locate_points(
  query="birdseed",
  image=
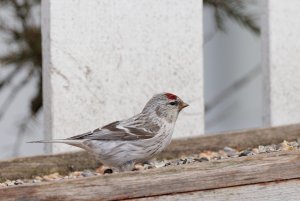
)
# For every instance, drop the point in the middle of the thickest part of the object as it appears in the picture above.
(204, 156)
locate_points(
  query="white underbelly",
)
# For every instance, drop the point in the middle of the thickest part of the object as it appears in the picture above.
(116, 153)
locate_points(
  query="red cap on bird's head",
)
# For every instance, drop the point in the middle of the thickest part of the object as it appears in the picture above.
(171, 96)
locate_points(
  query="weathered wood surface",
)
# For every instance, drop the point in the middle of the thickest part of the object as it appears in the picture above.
(169, 180)
(41, 165)
(270, 191)
(62, 163)
(238, 139)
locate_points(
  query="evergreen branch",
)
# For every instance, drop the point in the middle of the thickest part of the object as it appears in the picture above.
(37, 101)
(9, 77)
(234, 9)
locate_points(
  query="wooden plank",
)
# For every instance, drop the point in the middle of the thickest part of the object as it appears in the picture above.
(238, 139)
(28, 167)
(62, 163)
(270, 191)
(169, 180)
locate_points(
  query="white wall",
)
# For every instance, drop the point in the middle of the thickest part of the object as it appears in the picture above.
(104, 59)
(281, 49)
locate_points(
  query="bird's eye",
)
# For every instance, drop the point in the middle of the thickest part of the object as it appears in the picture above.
(173, 103)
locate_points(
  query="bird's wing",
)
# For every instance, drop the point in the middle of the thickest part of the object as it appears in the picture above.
(115, 131)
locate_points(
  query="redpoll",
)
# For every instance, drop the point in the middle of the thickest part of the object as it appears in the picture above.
(123, 143)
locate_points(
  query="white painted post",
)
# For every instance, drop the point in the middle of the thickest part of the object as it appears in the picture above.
(281, 61)
(103, 59)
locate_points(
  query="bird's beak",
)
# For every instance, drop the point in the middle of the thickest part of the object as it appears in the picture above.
(182, 105)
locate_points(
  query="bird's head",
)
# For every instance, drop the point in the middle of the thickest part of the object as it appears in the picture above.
(165, 105)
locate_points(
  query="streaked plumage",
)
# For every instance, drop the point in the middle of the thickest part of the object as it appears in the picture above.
(123, 143)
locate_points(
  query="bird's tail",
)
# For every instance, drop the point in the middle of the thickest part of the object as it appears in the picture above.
(66, 141)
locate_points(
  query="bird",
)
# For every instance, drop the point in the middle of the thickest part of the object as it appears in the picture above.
(122, 144)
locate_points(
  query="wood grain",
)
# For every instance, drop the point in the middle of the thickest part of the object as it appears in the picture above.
(169, 180)
(28, 167)
(270, 191)
(238, 139)
(38, 165)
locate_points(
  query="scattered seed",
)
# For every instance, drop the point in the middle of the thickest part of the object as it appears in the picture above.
(255, 151)
(139, 167)
(246, 153)
(2, 185)
(101, 169)
(87, 173)
(108, 171)
(231, 152)
(18, 182)
(36, 181)
(201, 157)
(261, 149)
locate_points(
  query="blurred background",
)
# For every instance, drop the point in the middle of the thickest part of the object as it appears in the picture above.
(232, 71)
